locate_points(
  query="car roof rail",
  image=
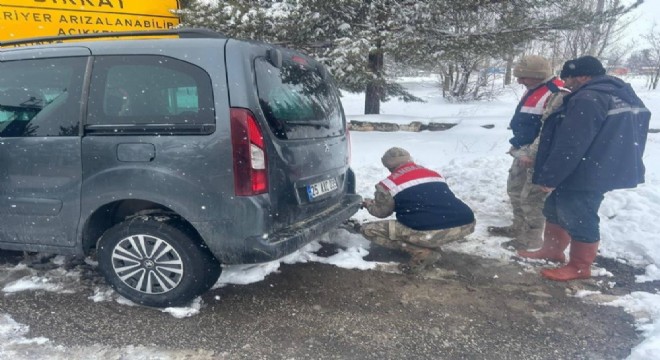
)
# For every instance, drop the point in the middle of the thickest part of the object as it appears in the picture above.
(189, 33)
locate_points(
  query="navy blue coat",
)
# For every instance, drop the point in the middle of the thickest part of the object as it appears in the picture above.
(526, 121)
(423, 201)
(431, 206)
(595, 141)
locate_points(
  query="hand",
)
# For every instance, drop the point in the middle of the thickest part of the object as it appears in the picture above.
(526, 161)
(546, 189)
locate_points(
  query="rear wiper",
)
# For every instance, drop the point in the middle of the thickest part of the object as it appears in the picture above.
(307, 123)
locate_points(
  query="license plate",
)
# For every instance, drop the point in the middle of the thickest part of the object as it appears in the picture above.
(323, 187)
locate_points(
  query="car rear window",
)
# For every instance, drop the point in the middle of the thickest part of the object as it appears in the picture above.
(297, 100)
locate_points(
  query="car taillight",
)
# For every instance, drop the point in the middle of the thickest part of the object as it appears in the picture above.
(249, 152)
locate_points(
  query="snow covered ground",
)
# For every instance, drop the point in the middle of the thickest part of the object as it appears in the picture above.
(473, 160)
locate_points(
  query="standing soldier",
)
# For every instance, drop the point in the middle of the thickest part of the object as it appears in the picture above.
(544, 93)
(592, 144)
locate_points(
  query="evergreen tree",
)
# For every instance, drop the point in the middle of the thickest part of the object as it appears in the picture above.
(353, 37)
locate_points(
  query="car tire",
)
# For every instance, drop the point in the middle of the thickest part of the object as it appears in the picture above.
(156, 261)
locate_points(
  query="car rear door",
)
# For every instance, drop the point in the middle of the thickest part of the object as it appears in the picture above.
(305, 128)
(40, 160)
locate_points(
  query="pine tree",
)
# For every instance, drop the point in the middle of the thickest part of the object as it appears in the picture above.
(354, 37)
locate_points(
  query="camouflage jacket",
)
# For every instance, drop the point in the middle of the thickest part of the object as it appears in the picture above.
(383, 204)
(553, 103)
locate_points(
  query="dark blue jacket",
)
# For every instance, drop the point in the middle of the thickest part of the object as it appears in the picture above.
(423, 201)
(431, 206)
(595, 141)
(526, 121)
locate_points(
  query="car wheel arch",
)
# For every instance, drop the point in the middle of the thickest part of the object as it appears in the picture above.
(110, 214)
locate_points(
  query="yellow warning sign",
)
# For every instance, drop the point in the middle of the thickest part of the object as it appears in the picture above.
(21, 19)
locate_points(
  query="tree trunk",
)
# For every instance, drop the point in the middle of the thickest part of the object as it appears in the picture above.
(447, 80)
(655, 80)
(508, 72)
(376, 88)
(596, 31)
(461, 85)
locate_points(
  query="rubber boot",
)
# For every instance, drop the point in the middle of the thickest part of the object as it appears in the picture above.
(582, 255)
(555, 241)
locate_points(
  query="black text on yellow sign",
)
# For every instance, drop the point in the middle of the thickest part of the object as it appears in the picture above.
(21, 19)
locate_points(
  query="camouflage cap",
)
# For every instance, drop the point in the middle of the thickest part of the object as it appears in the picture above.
(395, 157)
(532, 66)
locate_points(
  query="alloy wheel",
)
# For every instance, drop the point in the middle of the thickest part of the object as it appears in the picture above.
(147, 264)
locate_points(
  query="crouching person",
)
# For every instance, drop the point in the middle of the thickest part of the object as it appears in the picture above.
(428, 214)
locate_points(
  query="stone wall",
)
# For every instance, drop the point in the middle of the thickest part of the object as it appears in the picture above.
(415, 126)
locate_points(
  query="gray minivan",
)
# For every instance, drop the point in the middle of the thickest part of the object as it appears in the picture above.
(167, 157)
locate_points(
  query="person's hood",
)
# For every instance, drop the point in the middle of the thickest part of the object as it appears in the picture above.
(612, 86)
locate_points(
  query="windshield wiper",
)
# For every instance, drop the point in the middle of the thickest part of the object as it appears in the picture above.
(324, 124)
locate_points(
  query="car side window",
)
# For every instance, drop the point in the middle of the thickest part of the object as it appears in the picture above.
(139, 89)
(41, 97)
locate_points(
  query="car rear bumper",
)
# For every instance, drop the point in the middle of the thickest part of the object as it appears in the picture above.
(269, 247)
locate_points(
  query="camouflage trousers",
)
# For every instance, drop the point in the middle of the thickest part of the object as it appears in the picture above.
(394, 235)
(526, 198)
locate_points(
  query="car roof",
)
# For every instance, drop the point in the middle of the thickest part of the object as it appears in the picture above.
(115, 39)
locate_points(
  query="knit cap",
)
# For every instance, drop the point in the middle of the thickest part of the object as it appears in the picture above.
(532, 66)
(395, 157)
(582, 66)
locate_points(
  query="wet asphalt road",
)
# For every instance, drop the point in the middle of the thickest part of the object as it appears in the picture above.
(313, 311)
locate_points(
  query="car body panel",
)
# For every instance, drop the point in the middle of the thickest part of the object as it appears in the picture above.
(184, 169)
